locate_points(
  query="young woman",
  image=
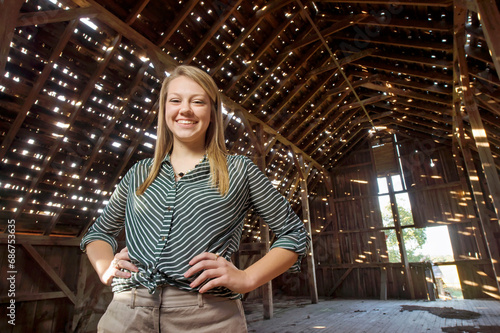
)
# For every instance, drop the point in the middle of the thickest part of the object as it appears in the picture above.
(183, 213)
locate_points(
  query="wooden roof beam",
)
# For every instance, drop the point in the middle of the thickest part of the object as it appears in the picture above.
(318, 88)
(478, 131)
(102, 139)
(154, 51)
(413, 112)
(414, 24)
(352, 145)
(346, 141)
(490, 18)
(421, 45)
(256, 20)
(424, 106)
(437, 3)
(138, 8)
(406, 93)
(325, 115)
(488, 103)
(108, 187)
(344, 61)
(431, 88)
(85, 95)
(347, 118)
(345, 108)
(380, 66)
(37, 86)
(174, 26)
(261, 51)
(54, 16)
(232, 105)
(314, 115)
(339, 26)
(213, 30)
(416, 128)
(9, 10)
(278, 88)
(277, 63)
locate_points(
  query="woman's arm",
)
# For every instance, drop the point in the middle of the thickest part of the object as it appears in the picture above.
(224, 273)
(100, 254)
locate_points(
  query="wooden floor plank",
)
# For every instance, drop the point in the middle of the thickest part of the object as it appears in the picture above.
(295, 315)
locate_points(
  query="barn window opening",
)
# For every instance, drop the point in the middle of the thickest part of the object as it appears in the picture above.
(420, 244)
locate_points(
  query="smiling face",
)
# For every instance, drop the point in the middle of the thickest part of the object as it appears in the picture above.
(187, 111)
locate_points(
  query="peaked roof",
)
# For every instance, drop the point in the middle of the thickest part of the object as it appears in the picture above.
(80, 81)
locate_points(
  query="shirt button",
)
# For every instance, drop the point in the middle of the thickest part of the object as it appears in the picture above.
(163, 238)
(169, 208)
(155, 270)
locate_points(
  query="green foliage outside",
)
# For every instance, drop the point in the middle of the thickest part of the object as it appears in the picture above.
(414, 238)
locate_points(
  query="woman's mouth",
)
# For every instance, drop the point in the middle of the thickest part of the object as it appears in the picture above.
(186, 122)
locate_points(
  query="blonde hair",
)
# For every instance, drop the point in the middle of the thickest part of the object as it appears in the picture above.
(215, 144)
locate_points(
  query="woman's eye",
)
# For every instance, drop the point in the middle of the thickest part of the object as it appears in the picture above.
(174, 100)
(199, 102)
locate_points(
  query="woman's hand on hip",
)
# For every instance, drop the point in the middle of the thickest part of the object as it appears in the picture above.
(121, 261)
(219, 272)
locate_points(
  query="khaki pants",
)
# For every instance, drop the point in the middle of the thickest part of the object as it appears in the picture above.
(172, 310)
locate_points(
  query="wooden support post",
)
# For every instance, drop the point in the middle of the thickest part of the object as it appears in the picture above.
(429, 282)
(260, 161)
(80, 292)
(485, 237)
(478, 131)
(399, 236)
(477, 228)
(383, 283)
(306, 216)
(489, 246)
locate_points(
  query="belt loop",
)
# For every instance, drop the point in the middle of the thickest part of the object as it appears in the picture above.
(200, 300)
(132, 298)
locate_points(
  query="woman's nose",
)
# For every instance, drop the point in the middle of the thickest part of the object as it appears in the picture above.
(185, 108)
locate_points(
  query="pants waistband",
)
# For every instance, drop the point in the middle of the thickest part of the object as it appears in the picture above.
(165, 297)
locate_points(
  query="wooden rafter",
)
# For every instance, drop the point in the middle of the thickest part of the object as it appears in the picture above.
(59, 141)
(186, 9)
(318, 89)
(212, 32)
(8, 13)
(102, 140)
(252, 25)
(262, 50)
(437, 3)
(146, 123)
(490, 18)
(478, 131)
(139, 7)
(35, 90)
(276, 64)
(314, 38)
(53, 16)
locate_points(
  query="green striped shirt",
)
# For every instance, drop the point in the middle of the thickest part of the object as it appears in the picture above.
(174, 221)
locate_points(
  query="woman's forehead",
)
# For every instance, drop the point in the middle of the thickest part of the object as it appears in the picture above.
(184, 85)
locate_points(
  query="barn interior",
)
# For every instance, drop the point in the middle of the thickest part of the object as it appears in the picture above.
(377, 120)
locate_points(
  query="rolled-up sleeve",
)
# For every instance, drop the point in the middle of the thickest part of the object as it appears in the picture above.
(278, 214)
(110, 223)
